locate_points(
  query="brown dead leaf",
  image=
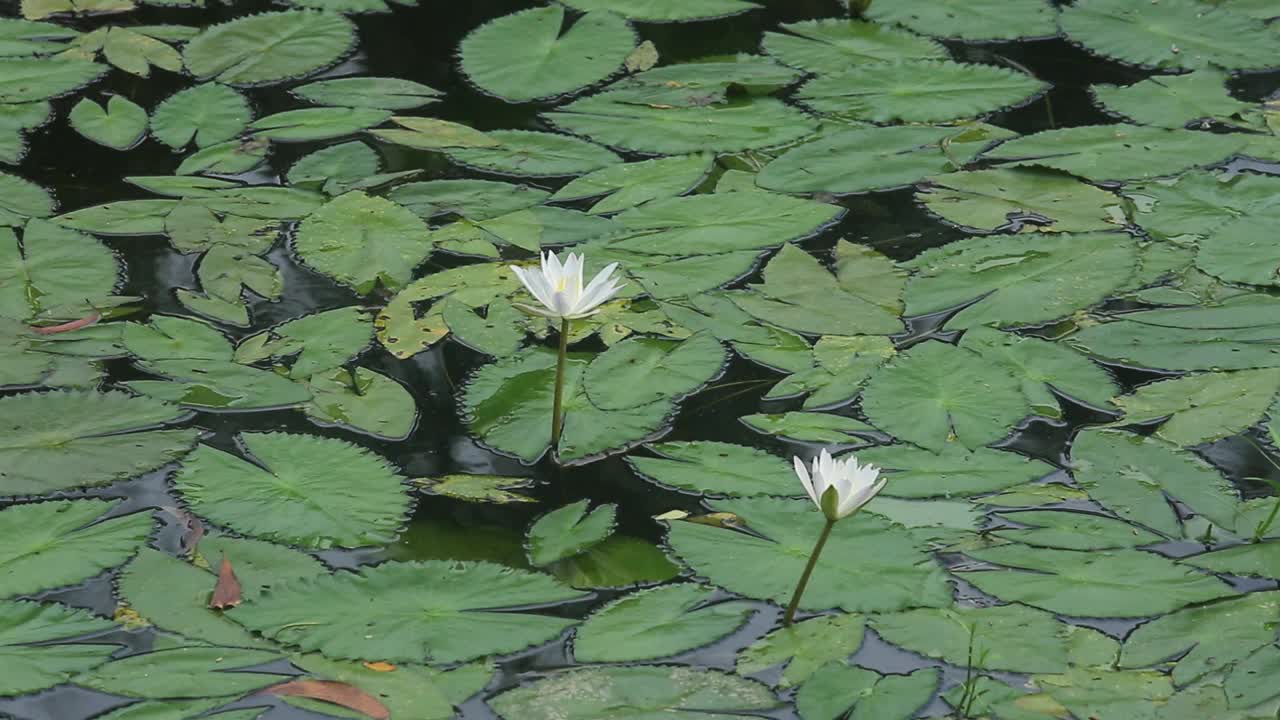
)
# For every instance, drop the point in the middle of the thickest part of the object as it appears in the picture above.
(336, 693)
(226, 594)
(380, 666)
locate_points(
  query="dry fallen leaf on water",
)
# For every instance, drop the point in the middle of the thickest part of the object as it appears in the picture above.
(226, 594)
(337, 693)
(380, 666)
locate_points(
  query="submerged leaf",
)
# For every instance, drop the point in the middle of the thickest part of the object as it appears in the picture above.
(569, 530)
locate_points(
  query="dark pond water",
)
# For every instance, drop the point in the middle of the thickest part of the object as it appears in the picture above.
(421, 44)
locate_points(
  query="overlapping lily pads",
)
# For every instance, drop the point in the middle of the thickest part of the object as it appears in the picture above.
(1040, 483)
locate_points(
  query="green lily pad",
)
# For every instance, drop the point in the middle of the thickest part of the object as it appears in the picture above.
(1253, 560)
(1014, 280)
(1104, 153)
(1041, 366)
(58, 542)
(631, 184)
(1200, 408)
(841, 365)
(125, 217)
(363, 241)
(662, 11)
(863, 159)
(269, 47)
(27, 80)
(173, 594)
(804, 647)
(613, 118)
(954, 471)
(63, 440)
(834, 45)
(525, 153)
(1020, 200)
(619, 561)
(364, 401)
(1074, 531)
(1195, 338)
(411, 612)
(185, 672)
(416, 691)
(656, 623)
(301, 493)
(839, 691)
(312, 343)
(912, 398)
(1176, 34)
(717, 468)
(15, 121)
(120, 126)
(56, 273)
(1130, 475)
(799, 294)
(918, 91)
(508, 405)
(38, 648)
(1174, 101)
(713, 224)
(1005, 637)
(530, 54)
(970, 20)
(310, 124)
(218, 385)
(810, 427)
(1109, 583)
(639, 371)
(472, 199)
(1197, 204)
(896, 576)
(1203, 639)
(368, 92)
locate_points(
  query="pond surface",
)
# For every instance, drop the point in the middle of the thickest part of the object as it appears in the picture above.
(1020, 256)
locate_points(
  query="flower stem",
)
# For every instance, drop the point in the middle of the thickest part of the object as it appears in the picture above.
(556, 412)
(808, 570)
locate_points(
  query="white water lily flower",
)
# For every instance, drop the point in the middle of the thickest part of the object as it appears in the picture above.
(839, 487)
(559, 287)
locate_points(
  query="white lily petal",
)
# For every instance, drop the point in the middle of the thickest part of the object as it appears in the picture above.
(541, 289)
(594, 297)
(534, 310)
(803, 473)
